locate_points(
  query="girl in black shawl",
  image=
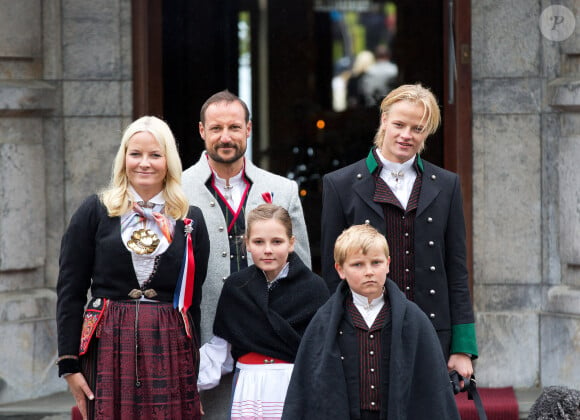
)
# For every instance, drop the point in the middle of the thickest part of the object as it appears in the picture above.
(262, 313)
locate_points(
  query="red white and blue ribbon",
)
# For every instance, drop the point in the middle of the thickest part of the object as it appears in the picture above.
(183, 295)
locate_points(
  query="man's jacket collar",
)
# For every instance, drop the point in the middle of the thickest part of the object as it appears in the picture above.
(372, 163)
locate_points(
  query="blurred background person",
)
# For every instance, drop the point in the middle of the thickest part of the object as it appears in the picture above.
(381, 76)
(354, 89)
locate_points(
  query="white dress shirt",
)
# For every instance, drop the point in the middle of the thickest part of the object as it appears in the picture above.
(400, 177)
(369, 311)
(232, 190)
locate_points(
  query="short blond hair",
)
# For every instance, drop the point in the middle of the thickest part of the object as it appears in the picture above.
(358, 238)
(416, 94)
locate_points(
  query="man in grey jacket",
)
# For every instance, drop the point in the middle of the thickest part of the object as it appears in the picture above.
(226, 185)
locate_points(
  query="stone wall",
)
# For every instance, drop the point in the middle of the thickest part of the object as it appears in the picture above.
(65, 96)
(526, 135)
(560, 318)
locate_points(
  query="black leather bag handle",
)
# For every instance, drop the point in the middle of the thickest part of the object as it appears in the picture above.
(471, 388)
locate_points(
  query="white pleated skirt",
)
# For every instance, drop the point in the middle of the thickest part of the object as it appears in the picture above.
(260, 391)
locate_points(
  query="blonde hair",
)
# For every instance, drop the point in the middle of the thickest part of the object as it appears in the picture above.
(358, 238)
(416, 94)
(116, 196)
(362, 62)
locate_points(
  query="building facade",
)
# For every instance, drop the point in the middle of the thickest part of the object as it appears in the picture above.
(65, 96)
(526, 200)
(66, 93)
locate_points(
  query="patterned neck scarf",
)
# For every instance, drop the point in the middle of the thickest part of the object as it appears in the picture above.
(143, 213)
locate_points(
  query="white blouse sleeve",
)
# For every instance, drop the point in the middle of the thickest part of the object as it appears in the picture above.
(215, 360)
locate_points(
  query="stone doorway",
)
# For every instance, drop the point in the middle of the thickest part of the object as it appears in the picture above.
(185, 50)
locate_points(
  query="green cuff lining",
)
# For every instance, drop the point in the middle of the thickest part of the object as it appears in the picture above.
(463, 339)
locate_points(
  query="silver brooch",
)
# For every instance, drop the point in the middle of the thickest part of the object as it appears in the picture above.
(188, 228)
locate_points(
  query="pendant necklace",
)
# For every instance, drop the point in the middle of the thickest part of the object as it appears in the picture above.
(143, 241)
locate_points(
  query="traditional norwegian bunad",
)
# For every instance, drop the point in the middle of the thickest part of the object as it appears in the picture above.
(393, 370)
(139, 342)
(260, 325)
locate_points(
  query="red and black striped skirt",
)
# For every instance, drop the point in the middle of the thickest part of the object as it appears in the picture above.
(142, 365)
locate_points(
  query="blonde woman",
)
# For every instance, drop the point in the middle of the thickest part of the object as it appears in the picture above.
(142, 252)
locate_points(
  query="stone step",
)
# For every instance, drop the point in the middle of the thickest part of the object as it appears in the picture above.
(58, 406)
(52, 407)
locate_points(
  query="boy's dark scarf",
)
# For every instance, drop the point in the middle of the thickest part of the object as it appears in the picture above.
(270, 322)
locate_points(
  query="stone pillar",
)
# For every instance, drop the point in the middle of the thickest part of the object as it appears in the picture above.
(526, 105)
(65, 97)
(560, 320)
(26, 305)
(507, 214)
